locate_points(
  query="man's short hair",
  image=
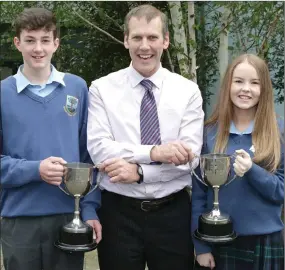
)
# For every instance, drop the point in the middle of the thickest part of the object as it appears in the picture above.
(149, 12)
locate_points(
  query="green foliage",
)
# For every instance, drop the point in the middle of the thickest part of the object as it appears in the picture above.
(89, 53)
(258, 27)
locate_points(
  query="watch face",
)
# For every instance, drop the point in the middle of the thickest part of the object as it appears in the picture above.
(140, 171)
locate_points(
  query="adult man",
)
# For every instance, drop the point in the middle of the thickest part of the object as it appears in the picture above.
(144, 125)
(44, 117)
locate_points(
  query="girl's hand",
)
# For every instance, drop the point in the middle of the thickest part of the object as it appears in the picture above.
(206, 260)
(242, 163)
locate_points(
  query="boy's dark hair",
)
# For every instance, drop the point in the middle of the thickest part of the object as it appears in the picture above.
(35, 19)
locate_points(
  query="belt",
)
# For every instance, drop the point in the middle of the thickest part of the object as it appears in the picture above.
(147, 205)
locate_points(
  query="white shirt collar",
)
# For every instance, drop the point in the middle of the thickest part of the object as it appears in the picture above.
(135, 77)
(248, 130)
(22, 81)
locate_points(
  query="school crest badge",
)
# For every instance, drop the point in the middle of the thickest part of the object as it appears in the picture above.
(71, 105)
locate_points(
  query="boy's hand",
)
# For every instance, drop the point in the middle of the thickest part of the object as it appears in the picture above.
(52, 170)
(97, 229)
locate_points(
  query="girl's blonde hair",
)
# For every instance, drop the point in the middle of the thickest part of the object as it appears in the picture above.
(266, 134)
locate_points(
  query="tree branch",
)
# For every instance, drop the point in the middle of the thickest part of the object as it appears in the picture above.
(228, 22)
(192, 37)
(241, 40)
(98, 28)
(170, 60)
(111, 19)
(270, 29)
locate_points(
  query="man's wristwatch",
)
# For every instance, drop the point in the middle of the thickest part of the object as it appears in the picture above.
(140, 173)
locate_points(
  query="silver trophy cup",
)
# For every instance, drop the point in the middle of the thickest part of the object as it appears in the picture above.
(77, 182)
(215, 227)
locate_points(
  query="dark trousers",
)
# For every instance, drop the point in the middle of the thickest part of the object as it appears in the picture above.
(133, 238)
(28, 244)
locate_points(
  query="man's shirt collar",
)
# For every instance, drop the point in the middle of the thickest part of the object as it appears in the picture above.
(135, 77)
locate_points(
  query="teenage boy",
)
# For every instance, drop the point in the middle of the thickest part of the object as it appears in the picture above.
(44, 117)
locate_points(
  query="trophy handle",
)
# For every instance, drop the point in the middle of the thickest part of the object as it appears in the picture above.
(98, 179)
(62, 189)
(192, 171)
(234, 177)
(234, 155)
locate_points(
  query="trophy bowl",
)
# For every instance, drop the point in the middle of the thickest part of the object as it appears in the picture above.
(77, 236)
(215, 227)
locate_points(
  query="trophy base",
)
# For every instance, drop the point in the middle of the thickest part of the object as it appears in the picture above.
(76, 240)
(215, 232)
(78, 248)
(215, 239)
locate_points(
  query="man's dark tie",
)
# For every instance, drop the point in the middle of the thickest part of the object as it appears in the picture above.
(150, 132)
